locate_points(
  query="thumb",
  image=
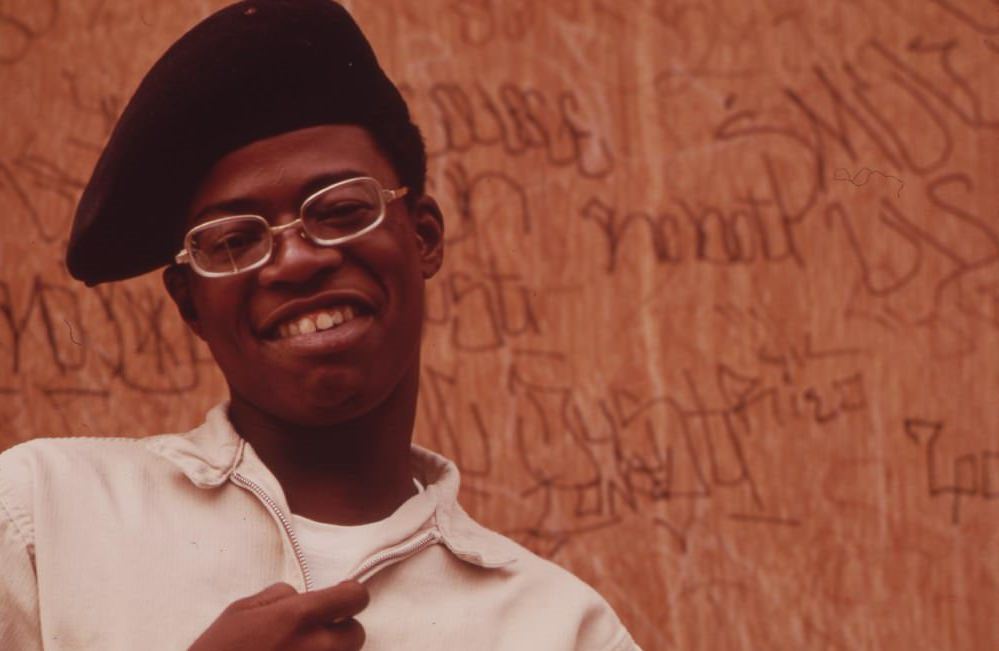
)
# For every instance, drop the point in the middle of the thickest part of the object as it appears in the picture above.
(265, 597)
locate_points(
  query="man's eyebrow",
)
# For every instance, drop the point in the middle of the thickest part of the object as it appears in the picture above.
(329, 178)
(242, 205)
(228, 207)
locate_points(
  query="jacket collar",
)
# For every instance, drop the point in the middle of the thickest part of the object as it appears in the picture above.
(212, 452)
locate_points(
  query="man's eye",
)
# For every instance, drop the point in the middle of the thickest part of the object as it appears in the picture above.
(234, 242)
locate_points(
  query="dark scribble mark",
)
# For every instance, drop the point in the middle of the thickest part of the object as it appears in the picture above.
(972, 474)
(30, 177)
(966, 18)
(679, 538)
(73, 392)
(149, 354)
(23, 34)
(548, 542)
(520, 119)
(71, 336)
(842, 174)
(106, 108)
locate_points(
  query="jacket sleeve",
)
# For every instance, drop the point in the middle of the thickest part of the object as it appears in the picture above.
(600, 629)
(621, 640)
(624, 643)
(19, 622)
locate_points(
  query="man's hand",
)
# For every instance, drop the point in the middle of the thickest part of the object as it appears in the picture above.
(278, 617)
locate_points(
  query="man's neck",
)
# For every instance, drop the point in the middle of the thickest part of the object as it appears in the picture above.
(348, 473)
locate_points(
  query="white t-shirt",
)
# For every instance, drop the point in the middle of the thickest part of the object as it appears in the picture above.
(332, 551)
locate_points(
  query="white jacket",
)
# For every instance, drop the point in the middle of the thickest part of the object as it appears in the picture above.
(133, 544)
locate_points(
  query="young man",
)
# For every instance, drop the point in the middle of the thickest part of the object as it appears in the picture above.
(272, 166)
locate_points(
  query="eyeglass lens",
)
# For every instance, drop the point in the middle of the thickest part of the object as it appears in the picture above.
(235, 244)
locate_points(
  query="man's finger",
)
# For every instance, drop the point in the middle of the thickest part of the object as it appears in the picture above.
(346, 634)
(268, 595)
(331, 605)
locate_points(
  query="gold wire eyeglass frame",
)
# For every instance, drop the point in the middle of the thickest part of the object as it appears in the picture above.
(386, 197)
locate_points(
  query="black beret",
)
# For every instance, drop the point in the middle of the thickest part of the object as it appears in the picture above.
(254, 69)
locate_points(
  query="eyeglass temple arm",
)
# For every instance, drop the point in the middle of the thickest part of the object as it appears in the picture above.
(392, 195)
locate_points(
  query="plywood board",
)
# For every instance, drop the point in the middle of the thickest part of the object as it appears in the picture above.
(718, 324)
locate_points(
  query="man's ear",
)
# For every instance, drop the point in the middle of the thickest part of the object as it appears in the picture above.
(428, 223)
(177, 281)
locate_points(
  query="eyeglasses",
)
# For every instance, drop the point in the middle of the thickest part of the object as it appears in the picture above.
(334, 215)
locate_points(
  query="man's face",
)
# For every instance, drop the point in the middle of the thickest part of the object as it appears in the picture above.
(373, 284)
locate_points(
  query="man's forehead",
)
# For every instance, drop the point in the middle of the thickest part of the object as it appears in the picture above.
(291, 166)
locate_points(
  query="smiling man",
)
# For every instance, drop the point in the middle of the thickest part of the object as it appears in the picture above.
(270, 165)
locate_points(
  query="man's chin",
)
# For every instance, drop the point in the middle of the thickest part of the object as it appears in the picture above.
(322, 409)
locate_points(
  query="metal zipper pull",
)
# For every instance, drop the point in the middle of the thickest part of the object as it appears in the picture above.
(393, 554)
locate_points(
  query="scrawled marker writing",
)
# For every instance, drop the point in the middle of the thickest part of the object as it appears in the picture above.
(843, 174)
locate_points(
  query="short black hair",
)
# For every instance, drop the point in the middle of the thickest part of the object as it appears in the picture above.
(401, 142)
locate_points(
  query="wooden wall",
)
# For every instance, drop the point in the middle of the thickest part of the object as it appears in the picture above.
(718, 324)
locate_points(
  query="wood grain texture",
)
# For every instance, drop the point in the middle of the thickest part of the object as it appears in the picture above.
(718, 324)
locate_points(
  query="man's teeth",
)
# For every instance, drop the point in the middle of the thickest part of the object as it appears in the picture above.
(322, 320)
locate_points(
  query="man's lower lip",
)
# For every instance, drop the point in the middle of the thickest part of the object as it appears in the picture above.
(335, 339)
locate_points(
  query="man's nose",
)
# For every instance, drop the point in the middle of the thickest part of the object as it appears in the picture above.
(297, 259)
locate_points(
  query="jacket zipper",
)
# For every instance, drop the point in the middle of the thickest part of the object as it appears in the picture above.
(393, 554)
(266, 499)
(383, 557)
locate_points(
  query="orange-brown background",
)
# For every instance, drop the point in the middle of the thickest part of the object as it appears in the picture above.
(718, 324)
